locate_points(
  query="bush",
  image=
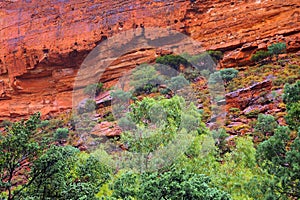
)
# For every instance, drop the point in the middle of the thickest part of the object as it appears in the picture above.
(173, 61)
(216, 55)
(215, 78)
(93, 89)
(277, 48)
(61, 133)
(145, 78)
(260, 55)
(291, 97)
(228, 74)
(266, 124)
(177, 83)
(89, 106)
(291, 93)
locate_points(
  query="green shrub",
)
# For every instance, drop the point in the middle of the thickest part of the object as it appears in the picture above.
(277, 48)
(61, 133)
(215, 78)
(177, 83)
(266, 124)
(93, 89)
(120, 96)
(173, 61)
(228, 74)
(191, 73)
(260, 55)
(165, 91)
(253, 114)
(145, 78)
(89, 106)
(44, 123)
(216, 55)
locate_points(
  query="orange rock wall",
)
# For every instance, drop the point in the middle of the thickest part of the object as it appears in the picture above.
(43, 43)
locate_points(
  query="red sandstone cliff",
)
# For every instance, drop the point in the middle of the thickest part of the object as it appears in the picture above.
(43, 43)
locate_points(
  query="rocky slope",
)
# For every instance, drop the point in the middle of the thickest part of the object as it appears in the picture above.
(43, 43)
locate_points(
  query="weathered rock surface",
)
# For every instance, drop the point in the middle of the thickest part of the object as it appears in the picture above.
(243, 98)
(43, 43)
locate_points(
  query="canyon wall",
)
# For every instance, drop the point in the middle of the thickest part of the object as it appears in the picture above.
(43, 43)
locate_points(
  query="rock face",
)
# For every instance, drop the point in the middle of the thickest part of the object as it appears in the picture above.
(246, 97)
(43, 43)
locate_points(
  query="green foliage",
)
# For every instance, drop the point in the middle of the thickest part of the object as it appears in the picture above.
(173, 61)
(281, 161)
(120, 102)
(90, 105)
(291, 97)
(216, 55)
(177, 83)
(126, 186)
(293, 116)
(44, 123)
(126, 123)
(179, 185)
(228, 74)
(17, 147)
(215, 78)
(220, 136)
(260, 55)
(274, 49)
(93, 89)
(120, 95)
(61, 134)
(46, 171)
(145, 78)
(173, 184)
(205, 73)
(291, 93)
(277, 48)
(265, 126)
(158, 126)
(235, 172)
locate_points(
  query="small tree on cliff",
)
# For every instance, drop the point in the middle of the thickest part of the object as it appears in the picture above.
(277, 48)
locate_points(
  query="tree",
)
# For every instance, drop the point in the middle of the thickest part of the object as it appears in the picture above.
(291, 93)
(65, 173)
(171, 184)
(120, 102)
(178, 184)
(18, 151)
(281, 161)
(291, 97)
(293, 116)
(265, 126)
(159, 126)
(46, 171)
